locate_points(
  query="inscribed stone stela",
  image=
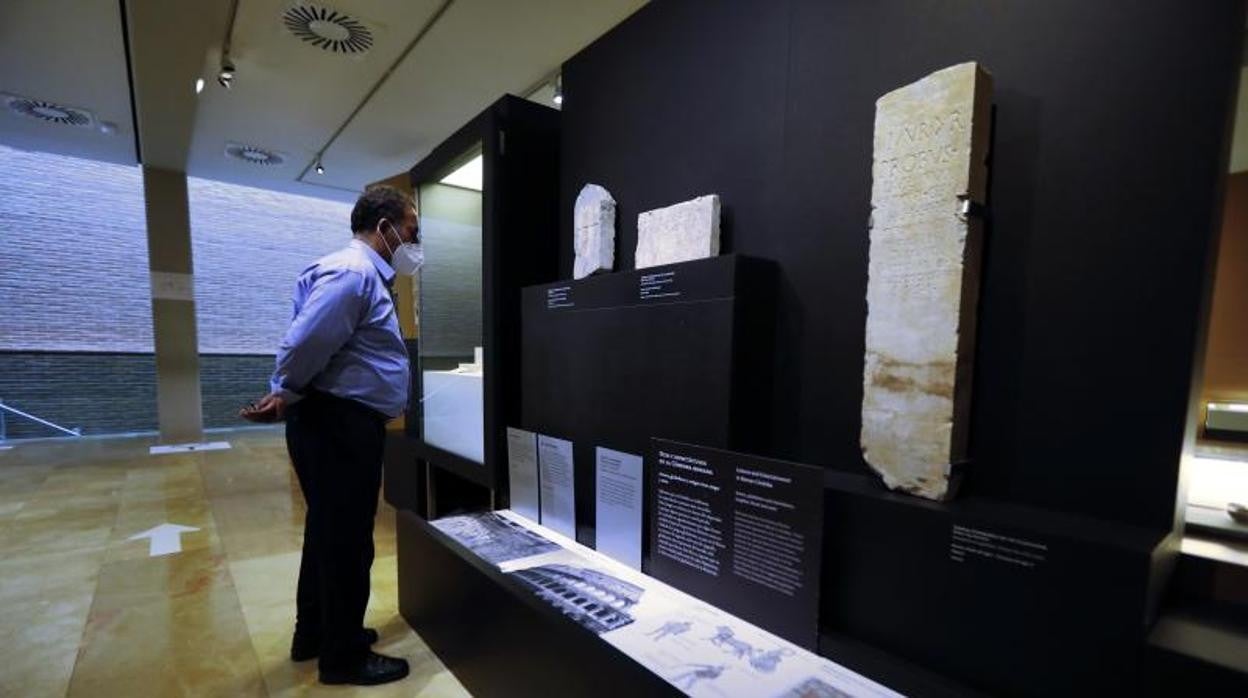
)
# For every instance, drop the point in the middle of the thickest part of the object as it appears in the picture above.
(931, 145)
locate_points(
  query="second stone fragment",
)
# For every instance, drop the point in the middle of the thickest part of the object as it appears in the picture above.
(678, 233)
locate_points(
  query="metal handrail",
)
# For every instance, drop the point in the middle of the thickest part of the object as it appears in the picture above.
(33, 418)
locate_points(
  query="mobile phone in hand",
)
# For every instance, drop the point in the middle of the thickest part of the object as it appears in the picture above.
(252, 412)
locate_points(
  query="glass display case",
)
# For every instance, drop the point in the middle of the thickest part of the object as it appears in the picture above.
(488, 203)
(450, 312)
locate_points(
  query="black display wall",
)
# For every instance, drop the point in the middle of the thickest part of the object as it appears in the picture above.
(1111, 134)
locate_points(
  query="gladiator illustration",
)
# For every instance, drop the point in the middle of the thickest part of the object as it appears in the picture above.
(725, 640)
(686, 680)
(767, 662)
(672, 627)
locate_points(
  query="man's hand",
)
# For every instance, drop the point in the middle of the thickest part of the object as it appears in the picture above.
(271, 408)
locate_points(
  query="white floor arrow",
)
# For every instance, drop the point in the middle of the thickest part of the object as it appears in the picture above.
(165, 538)
(189, 448)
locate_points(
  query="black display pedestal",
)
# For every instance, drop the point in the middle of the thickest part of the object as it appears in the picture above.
(404, 474)
(499, 639)
(680, 351)
(1023, 600)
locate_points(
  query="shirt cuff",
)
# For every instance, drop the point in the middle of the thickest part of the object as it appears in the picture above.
(289, 396)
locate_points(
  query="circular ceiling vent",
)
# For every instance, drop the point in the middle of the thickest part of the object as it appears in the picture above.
(328, 29)
(253, 155)
(51, 112)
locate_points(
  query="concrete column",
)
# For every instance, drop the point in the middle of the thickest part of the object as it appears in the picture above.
(179, 407)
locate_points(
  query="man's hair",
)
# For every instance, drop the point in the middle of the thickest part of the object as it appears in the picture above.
(378, 202)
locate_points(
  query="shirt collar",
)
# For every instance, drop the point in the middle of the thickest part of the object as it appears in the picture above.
(386, 271)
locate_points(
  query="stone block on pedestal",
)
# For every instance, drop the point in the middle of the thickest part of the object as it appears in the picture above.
(678, 233)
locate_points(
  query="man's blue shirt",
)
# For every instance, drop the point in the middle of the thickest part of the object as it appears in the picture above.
(344, 338)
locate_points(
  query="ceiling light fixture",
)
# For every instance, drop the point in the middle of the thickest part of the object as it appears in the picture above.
(320, 169)
(49, 112)
(327, 28)
(199, 85)
(558, 99)
(226, 77)
(254, 155)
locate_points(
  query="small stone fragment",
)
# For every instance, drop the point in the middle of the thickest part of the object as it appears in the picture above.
(594, 231)
(678, 233)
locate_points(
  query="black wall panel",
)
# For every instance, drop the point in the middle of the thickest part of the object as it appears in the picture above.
(610, 367)
(1110, 141)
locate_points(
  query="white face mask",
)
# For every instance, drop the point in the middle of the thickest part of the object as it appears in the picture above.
(407, 257)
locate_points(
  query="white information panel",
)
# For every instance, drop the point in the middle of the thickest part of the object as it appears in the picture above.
(556, 477)
(522, 471)
(619, 482)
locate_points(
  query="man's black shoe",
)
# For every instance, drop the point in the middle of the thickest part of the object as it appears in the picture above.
(374, 669)
(303, 648)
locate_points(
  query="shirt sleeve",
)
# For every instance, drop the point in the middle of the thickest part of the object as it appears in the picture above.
(321, 326)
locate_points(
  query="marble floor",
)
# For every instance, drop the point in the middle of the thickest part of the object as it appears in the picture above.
(86, 611)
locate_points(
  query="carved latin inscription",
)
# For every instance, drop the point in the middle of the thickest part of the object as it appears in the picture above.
(931, 141)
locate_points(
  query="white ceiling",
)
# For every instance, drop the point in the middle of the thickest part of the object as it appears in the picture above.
(288, 96)
(168, 41)
(496, 47)
(70, 52)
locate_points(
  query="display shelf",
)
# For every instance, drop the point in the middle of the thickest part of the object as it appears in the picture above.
(630, 642)
(455, 463)
(1215, 523)
(996, 578)
(902, 676)
(497, 637)
(1199, 653)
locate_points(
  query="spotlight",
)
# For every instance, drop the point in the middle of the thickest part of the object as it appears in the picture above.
(320, 169)
(226, 76)
(199, 85)
(558, 91)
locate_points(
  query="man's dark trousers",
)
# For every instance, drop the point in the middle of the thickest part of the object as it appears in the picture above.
(336, 446)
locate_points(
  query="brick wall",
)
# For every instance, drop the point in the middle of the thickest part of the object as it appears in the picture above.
(101, 393)
(116, 393)
(73, 257)
(228, 381)
(75, 308)
(249, 246)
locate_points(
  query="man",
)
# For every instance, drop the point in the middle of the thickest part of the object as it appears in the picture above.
(342, 372)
